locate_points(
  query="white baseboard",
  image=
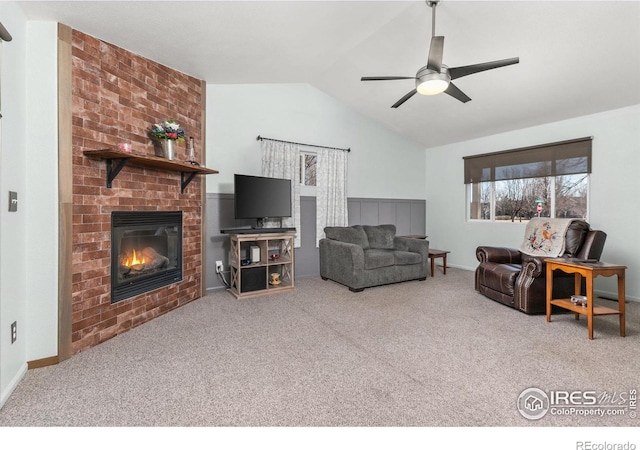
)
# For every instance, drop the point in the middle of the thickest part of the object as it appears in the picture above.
(614, 296)
(13, 384)
(457, 266)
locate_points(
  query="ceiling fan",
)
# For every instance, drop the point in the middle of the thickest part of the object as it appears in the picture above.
(435, 77)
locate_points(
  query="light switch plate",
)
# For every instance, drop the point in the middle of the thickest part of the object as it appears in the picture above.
(13, 201)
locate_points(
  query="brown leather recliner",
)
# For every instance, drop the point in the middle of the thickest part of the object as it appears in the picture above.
(509, 276)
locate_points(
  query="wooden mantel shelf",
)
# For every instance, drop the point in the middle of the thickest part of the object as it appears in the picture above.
(187, 170)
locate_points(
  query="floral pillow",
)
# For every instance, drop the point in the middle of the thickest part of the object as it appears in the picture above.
(545, 237)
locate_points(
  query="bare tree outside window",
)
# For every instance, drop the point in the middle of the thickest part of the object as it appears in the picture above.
(308, 169)
(516, 200)
(571, 196)
(512, 197)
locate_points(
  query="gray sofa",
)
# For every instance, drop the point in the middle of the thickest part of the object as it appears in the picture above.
(363, 256)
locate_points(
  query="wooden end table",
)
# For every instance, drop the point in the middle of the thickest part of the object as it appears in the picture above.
(435, 253)
(589, 271)
(415, 236)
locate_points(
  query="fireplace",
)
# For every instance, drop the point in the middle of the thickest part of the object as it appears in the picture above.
(146, 251)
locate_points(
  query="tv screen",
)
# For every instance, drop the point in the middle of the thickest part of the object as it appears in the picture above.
(260, 197)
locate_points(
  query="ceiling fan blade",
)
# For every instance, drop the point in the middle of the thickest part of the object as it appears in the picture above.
(456, 93)
(435, 53)
(386, 78)
(405, 98)
(463, 71)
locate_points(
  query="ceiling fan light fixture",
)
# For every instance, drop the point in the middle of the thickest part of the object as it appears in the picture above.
(435, 78)
(432, 83)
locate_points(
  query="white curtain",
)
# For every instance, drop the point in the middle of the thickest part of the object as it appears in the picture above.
(331, 190)
(282, 160)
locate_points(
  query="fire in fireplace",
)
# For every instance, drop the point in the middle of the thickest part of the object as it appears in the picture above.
(146, 251)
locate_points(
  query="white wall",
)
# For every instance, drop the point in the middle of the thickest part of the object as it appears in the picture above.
(28, 165)
(382, 164)
(13, 177)
(42, 192)
(614, 190)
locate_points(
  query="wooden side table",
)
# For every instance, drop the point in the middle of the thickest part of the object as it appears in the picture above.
(435, 253)
(589, 271)
(415, 236)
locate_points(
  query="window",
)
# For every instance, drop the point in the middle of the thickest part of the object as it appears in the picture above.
(308, 169)
(549, 180)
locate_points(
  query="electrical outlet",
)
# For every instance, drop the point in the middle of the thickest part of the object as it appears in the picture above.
(219, 267)
(13, 201)
(14, 332)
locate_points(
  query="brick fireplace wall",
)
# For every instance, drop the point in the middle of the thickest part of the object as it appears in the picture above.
(116, 97)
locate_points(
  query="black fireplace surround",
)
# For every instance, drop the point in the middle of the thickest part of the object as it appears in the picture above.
(146, 251)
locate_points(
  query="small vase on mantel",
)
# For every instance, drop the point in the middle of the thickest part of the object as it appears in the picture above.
(168, 148)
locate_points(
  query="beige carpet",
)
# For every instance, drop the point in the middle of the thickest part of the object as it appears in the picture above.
(432, 353)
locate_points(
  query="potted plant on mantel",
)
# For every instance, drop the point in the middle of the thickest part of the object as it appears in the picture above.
(165, 135)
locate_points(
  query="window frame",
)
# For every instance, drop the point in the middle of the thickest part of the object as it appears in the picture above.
(564, 158)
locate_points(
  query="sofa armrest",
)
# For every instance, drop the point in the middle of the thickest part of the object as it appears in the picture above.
(502, 255)
(342, 262)
(339, 256)
(533, 266)
(413, 245)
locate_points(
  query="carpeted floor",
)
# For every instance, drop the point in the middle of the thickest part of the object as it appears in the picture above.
(432, 353)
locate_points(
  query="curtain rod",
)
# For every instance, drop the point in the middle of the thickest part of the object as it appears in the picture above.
(260, 138)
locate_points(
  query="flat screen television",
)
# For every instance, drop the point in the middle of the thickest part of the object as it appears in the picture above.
(261, 197)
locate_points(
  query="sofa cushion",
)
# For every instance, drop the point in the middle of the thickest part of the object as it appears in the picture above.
(352, 235)
(376, 258)
(575, 236)
(380, 236)
(406, 258)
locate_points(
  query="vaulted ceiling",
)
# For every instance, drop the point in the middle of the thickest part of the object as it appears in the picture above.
(576, 57)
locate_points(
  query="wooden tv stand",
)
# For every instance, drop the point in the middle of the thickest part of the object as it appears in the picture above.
(253, 279)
